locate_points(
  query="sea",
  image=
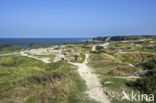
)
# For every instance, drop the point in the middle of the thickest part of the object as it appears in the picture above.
(23, 42)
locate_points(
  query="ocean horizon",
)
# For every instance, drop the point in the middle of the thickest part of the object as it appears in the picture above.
(23, 42)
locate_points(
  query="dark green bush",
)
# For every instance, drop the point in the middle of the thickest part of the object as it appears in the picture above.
(148, 84)
(99, 47)
(150, 65)
(8, 48)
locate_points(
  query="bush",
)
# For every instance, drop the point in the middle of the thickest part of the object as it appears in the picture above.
(148, 84)
(99, 47)
(8, 48)
(32, 45)
(151, 64)
(95, 52)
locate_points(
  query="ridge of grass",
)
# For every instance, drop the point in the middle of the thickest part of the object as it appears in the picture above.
(27, 80)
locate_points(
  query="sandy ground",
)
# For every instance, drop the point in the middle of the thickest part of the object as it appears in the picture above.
(47, 51)
(94, 48)
(45, 60)
(125, 77)
(9, 54)
(94, 88)
(104, 45)
(44, 51)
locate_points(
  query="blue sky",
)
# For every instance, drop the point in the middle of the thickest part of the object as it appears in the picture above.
(76, 18)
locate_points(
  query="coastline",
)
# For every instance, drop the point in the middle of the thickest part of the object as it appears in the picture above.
(24, 42)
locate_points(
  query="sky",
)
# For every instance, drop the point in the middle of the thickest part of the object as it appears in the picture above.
(76, 18)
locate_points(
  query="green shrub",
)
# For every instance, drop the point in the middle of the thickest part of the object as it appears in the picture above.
(151, 64)
(148, 84)
(95, 52)
(32, 45)
(9, 48)
(99, 47)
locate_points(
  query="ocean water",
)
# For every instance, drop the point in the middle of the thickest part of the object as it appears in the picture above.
(23, 42)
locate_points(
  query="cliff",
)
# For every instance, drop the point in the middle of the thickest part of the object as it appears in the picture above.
(121, 38)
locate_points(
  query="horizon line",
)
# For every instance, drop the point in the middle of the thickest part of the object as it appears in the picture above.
(79, 37)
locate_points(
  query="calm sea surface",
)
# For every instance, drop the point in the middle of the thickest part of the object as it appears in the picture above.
(23, 42)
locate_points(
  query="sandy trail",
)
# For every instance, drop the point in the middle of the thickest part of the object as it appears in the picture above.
(94, 48)
(104, 45)
(127, 77)
(94, 87)
(9, 54)
(45, 60)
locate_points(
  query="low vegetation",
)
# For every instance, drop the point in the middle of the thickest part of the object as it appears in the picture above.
(147, 84)
(27, 80)
(122, 59)
(99, 47)
(8, 48)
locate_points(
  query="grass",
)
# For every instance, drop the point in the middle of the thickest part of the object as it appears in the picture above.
(100, 57)
(115, 82)
(81, 57)
(109, 63)
(115, 88)
(8, 49)
(51, 56)
(124, 101)
(27, 80)
(135, 57)
(102, 64)
(141, 46)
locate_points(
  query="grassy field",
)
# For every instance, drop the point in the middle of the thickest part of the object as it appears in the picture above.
(27, 80)
(9, 49)
(121, 59)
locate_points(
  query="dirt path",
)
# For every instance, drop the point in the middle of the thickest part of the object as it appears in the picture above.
(94, 48)
(104, 45)
(94, 88)
(124, 77)
(45, 60)
(127, 77)
(9, 54)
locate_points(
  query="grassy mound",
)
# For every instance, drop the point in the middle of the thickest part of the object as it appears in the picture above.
(8, 48)
(135, 57)
(27, 80)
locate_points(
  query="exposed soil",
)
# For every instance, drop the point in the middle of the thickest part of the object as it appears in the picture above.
(95, 90)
